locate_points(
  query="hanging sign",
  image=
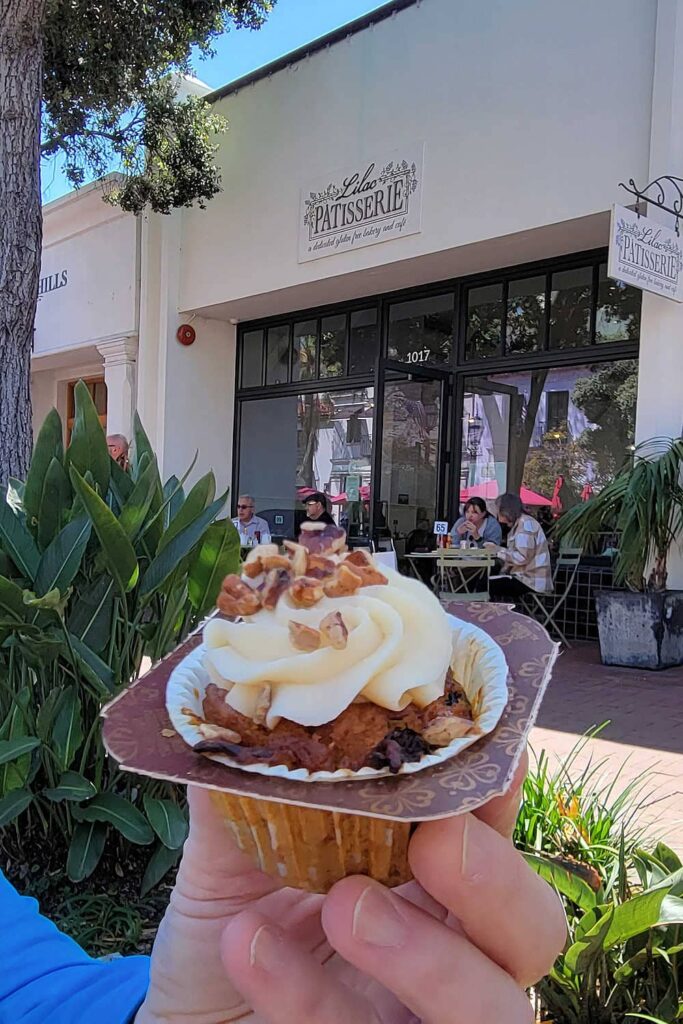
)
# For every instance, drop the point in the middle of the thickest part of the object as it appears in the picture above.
(645, 254)
(353, 488)
(374, 200)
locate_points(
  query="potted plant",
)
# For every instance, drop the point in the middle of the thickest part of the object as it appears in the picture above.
(640, 626)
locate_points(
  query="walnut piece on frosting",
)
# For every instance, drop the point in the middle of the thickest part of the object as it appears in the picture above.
(305, 592)
(345, 582)
(298, 557)
(304, 638)
(209, 731)
(333, 629)
(321, 538)
(263, 702)
(237, 598)
(274, 586)
(254, 562)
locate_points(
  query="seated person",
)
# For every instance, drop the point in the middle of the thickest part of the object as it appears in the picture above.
(477, 525)
(316, 509)
(252, 529)
(526, 559)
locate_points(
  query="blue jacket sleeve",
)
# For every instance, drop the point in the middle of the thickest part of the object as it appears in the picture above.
(46, 976)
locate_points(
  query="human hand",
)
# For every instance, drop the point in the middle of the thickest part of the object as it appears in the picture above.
(458, 944)
(490, 546)
(464, 528)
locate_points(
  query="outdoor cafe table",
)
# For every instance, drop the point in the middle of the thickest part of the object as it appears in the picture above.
(455, 570)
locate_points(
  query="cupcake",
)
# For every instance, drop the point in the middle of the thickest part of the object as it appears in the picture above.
(328, 667)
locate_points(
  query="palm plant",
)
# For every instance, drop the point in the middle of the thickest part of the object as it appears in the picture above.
(643, 504)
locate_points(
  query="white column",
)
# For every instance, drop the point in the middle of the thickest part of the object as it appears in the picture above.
(120, 356)
(660, 397)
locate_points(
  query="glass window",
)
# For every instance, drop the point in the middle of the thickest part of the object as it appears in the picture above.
(554, 435)
(252, 359)
(421, 330)
(363, 341)
(277, 357)
(525, 330)
(332, 345)
(484, 321)
(291, 445)
(305, 350)
(571, 294)
(618, 316)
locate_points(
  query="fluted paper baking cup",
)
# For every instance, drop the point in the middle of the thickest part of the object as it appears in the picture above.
(478, 665)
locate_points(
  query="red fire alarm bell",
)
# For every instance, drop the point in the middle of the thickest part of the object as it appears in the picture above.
(186, 334)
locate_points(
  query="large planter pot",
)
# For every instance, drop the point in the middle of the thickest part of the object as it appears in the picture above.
(640, 630)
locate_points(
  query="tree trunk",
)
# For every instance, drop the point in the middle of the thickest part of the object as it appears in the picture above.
(21, 57)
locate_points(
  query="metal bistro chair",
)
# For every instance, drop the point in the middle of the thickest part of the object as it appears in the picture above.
(457, 571)
(545, 607)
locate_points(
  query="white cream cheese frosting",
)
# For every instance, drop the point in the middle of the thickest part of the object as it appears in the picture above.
(399, 649)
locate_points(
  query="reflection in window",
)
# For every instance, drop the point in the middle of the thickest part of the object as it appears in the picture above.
(525, 330)
(305, 350)
(363, 341)
(290, 445)
(484, 321)
(554, 435)
(332, 344)
(277, 356)
(570, 307)
(421, 330)
(252, 359)
(618, 316)
(410, 455)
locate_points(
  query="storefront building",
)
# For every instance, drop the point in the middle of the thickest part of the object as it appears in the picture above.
(401, 295)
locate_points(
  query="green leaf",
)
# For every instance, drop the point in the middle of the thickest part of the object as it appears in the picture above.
(67, 732)
(141, 446)
(217, 557)
(61, 560)
(85, 850)
(566, 882)
(71, 786)
(93, 668)
(166, 561)
(168, 821)
(120, 813)
(46, 714)
(580, 954)
(120, 483)
(88, 450)
(136, 508)
(54, 503)
(14, 771)
(18, 542)
(91, 613)
(160, 863)
(671, 910)
(53, 601)
(118, 551)
(49, 445)
(201, 495)
(12, 805)
(10, 750)
(12, 601)
(666, 856)
(174, 496)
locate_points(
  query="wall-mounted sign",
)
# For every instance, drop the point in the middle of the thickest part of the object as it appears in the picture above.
(51, 282)
(353, 488)
(404, 499)
(645, 254)
(378, 199)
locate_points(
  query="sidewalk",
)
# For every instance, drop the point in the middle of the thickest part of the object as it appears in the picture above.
(645, 712)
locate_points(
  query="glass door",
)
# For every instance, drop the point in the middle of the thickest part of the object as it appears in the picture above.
(410, 458)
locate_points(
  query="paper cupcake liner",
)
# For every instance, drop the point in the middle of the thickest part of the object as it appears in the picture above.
(478, 664)
(311, 849)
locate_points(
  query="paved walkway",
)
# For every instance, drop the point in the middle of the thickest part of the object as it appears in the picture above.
(645, 712)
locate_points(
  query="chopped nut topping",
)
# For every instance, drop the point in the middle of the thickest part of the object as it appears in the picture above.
(304, 638)
(333, 629)
(253, 564)
(262, 705)
(444, 730)
(359, 557)
(345, 582)
(210, 731)
(275, 584)
(320, 539)
(276, 562)
(237, 598)
(370, 577)
(298, 557)
(320, 567)
(305, 592)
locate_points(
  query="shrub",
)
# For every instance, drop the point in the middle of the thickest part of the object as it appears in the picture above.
(100, 567)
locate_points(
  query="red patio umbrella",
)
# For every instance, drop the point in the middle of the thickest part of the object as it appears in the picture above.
(489, 490)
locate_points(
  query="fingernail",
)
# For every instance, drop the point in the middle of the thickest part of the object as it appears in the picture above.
(267, 950)
(470, 855)
(377, 921)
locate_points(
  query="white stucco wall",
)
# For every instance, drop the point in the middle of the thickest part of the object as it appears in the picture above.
(531, 113)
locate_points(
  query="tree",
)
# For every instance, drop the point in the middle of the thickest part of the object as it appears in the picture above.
(607, 397)
(92, 80)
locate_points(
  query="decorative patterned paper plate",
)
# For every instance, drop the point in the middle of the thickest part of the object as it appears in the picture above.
(138, 734)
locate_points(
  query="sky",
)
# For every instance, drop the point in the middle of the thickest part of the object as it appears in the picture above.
(291, 24)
